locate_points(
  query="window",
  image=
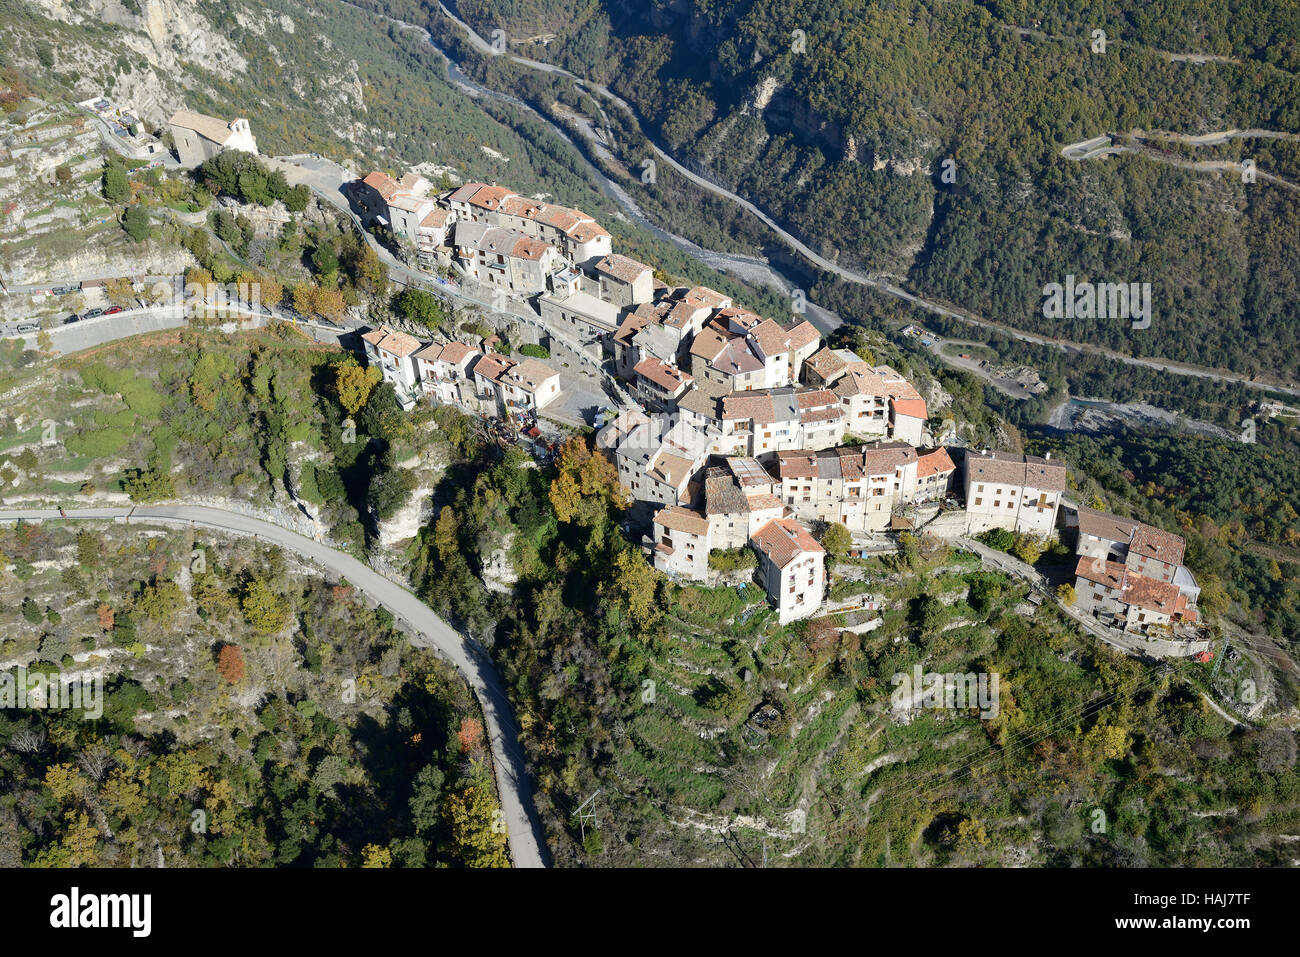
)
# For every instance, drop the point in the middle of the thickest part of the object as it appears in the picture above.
(979, 501)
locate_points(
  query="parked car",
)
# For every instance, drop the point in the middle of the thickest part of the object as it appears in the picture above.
(61, 290)
(113, 310)
(25, 328)
(93, 313)
(71, 319)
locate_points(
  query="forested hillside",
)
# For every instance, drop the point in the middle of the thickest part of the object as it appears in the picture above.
(838, 118)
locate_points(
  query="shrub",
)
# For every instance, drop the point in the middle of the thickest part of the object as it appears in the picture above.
(732, 559)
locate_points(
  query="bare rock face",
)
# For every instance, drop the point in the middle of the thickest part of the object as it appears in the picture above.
(499, 573)
(763, 94)
(408, 521)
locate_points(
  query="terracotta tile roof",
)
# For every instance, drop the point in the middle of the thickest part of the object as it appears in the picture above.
(1151, 594)
(585, 232)
(436, 218)
(745, 406)
(520, 206)
(737, 358)
(488, 197)
(683, 313)
(802, 335)
(381, 183)
(703, 398)
(934, 463)
(526, 247)
(1142, 539)
(914, 408)
(710, 297)
(783, 540)
(500, 241)
(816, 398)
(1011, 468)
(493, 367)
(708, 343)
(399, 344)
(662, 374)
(809, 416)
(530, 374)
(851, 466)
(374, 336)
(742, 319)
(859, 380)
(654, 311)
(1103, 525)
(672, 469)
(1110, 574)
(622, 268)
(796, 464)
(632, 323)
(464, 193)
(826, 363)
(1158, 544)
(682, 520)
(456, 352)
(771, 338)
(885, 458)
(763, 501)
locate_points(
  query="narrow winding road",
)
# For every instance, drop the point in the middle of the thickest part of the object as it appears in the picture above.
(523, 827)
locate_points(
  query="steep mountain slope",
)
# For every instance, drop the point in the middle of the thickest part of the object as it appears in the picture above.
(842, 119)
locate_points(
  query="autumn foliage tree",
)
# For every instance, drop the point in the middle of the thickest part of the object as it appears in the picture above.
(633, 584)
(354, 385)
(312, 300)
(586, 491)
(470, 735)
(230, 664)
(477, 834)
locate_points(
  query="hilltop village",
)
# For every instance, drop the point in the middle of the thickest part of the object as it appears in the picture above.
(736, 430)
(729, 430)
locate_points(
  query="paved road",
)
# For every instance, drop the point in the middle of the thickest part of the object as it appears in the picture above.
(95, 332)
(89, 333)
(524, 831)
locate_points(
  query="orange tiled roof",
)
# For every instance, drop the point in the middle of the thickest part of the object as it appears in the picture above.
(682, 520)
(933, 463)
(783, 540)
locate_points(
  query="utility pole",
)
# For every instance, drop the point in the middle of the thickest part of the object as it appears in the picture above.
(586, 814)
